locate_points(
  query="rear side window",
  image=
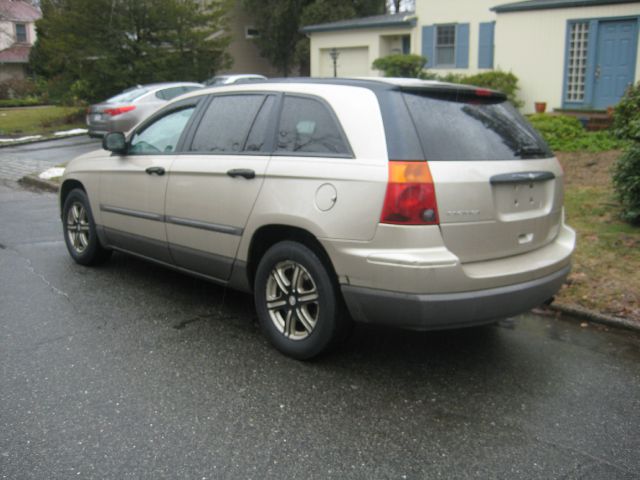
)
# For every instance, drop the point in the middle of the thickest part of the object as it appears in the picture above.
(473, 129)
(226, 123)
(308, 126)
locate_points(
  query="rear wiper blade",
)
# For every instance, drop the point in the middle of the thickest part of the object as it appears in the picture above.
(529, 150)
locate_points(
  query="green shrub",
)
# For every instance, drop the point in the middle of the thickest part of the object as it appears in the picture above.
(558, 130)
(505, 82)
(21, 102)
(399, 65)
(566, 134)
(16, 88)
(626, 118)
(626, 181)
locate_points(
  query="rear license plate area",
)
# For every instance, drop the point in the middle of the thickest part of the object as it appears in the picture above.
(515, 201)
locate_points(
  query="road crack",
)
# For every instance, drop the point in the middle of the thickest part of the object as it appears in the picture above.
(41, 276)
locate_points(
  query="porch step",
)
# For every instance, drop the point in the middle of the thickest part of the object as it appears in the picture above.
(595, 119)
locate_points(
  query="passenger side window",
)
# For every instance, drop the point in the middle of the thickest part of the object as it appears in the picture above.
(307, 126)
(226, 123)
(161, 136)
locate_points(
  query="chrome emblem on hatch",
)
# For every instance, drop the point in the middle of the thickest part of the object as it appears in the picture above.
(460, 213)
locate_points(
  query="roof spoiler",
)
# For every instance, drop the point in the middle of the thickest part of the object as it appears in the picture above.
(456, 92)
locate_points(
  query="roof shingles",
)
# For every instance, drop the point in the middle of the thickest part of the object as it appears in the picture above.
(17, 53)
(403, 19)
(551, 4)
(18, 11)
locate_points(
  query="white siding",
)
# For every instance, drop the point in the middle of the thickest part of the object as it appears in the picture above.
(473, 12)
(7, 35)
(354, 43)
(351, 62)
(532, 45)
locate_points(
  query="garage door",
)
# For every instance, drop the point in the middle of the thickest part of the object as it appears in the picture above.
(352, 62)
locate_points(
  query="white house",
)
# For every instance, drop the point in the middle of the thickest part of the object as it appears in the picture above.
(17, 35)
(571, 54)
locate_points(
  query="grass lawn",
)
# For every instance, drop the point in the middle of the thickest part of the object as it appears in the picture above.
(39, 120)
(606, 264)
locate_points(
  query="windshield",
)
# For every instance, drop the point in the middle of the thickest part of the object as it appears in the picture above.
(128, 95)
(473, 129)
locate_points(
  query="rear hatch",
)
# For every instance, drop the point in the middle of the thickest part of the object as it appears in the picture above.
(498, 186)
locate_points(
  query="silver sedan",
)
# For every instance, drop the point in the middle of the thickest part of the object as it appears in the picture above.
(123, 111)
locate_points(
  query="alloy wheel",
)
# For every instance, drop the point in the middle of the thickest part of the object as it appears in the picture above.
(292, 300)
(78, 227)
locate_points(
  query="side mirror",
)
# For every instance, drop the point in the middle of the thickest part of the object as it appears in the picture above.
(115, 142)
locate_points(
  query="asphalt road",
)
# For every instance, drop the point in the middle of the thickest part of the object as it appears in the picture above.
(18, 161)
(133, 371)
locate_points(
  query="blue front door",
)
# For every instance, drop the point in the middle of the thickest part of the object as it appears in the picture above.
(615, 61)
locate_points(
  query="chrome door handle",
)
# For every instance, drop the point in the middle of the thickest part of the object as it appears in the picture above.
(242, 172)
(155, 171)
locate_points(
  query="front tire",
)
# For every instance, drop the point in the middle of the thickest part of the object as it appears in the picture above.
(80, 233)
(298, 302)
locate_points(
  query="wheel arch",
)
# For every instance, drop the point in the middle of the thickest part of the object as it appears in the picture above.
(66, 187)
(268, 235)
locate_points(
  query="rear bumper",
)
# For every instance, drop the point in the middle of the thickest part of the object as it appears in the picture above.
(450, 310)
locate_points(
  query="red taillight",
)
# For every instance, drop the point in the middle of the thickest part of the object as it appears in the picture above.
(411, 196)
(483, 92)
(118, 110)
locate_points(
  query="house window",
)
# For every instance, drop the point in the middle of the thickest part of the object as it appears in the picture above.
(251, 32)
(21, 33)
(577, 65)
(445, 45)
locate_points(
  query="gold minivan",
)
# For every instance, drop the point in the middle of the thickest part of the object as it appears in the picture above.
(423, 205)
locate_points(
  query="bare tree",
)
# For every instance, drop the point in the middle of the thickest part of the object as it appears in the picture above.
(397, 6)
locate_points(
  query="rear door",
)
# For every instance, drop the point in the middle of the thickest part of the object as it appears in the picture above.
(498, 186)
(214, 184)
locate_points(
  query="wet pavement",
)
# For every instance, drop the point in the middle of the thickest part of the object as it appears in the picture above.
(132, 371)
(21, 160)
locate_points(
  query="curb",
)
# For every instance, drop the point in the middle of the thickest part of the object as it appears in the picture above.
(34, 181)
(595, 317)
(39, 140)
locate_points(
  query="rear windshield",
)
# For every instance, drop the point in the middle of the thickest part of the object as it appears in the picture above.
(473, 129)
(128, 95)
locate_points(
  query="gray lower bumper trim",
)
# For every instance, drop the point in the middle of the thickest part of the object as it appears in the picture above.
(450, 310)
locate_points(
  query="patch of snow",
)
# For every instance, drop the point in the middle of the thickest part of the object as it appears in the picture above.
(21, 139)
(75, 131)
(51, 173)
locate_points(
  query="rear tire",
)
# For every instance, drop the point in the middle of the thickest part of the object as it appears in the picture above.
(299, 305)
(80, 233)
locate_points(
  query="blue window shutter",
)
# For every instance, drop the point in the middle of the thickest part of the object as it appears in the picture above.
(485, 45)
(462, 45)
(427, 45)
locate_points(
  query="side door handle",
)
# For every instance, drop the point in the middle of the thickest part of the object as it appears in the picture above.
(242, 172)
(155, 171)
